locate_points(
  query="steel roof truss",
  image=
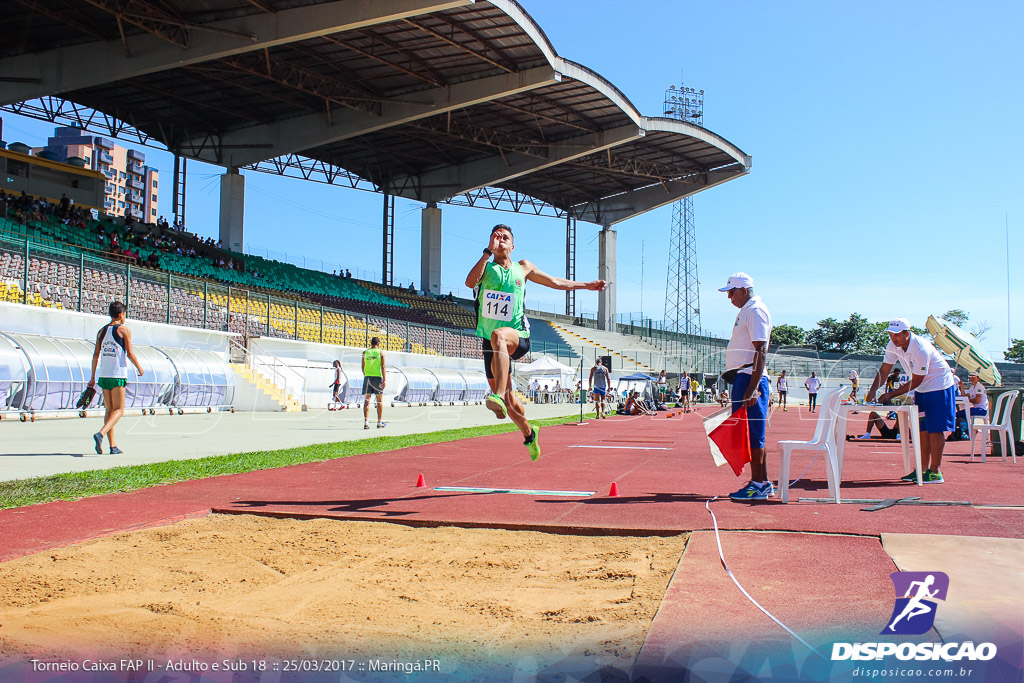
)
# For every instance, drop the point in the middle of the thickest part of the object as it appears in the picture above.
(507, 66)
(385, 61)
(618, 208)
(263, 5)
(636, 167)
(82, 66)
(313, 130)
(228, 76)
(147, 17)
(491, 45)
(304, 80)
(64, 16)
(444, 183)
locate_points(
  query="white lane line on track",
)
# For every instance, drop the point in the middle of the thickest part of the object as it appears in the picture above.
(527, 492)
(625, 448)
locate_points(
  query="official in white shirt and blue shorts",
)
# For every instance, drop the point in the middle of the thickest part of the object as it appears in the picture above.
(932, 382)
(746, 353)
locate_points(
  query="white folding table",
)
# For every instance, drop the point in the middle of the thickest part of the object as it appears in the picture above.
(910, 432)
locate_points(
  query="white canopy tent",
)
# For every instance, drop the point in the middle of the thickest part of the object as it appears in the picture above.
(547, 371)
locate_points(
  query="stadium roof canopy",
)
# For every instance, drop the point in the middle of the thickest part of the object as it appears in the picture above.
(425, 99)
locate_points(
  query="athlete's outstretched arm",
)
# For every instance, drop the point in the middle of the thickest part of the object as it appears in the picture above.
(534, 274)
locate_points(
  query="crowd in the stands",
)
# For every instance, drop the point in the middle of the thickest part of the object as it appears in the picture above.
(144, 244)
(24, 208)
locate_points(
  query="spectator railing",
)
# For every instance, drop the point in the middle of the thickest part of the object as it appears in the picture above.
(46, 273)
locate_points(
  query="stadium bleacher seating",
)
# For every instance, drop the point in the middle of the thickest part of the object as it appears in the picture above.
(67, 271)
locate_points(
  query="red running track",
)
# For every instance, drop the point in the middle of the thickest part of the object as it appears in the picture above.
(664, 473)
(661, 465)
(661, 490)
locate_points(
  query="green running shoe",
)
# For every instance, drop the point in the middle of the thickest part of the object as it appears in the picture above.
(496, 405)
(532, 442)
(912, 477)
(930, 477)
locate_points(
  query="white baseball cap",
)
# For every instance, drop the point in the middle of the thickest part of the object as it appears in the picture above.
(737, 281)
(898, 325)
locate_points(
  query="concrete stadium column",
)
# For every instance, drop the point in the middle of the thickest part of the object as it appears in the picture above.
(232, 210)
(606, 271)
(430, 249)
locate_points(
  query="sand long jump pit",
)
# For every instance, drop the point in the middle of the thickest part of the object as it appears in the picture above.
(286, 593)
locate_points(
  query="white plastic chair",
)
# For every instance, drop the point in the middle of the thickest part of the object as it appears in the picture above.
(971, 419)
(1000, 423)
(824, 440)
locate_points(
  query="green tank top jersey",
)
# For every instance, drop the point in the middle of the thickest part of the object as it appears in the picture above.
(372, 358)
(500, 300)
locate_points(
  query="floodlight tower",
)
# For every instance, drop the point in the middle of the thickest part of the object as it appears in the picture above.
(682, 296)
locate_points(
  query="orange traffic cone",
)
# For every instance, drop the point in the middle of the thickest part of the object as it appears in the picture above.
(613, 492)
(420, 483)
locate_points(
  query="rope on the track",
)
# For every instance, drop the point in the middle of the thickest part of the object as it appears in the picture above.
(721, 556)
(816, 454)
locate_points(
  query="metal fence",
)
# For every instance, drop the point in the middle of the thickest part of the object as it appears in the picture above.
(55, 276)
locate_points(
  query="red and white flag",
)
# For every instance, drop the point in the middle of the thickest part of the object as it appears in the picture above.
(729, 438)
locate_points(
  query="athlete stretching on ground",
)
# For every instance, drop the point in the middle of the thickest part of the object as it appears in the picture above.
(500, 287)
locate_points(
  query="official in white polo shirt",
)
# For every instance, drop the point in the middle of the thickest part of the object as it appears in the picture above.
(746, 354)
(932, 382)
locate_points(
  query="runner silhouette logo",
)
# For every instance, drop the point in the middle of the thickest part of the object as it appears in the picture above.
(916, 593)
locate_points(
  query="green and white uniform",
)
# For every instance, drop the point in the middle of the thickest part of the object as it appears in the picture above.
(500, 301)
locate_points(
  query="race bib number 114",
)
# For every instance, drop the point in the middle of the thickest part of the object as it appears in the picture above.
(498, 305)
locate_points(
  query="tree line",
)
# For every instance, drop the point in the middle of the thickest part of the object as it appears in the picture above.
(858, 335)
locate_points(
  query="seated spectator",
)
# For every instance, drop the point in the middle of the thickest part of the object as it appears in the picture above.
(633, 406)
(885, 431)
(977, 396)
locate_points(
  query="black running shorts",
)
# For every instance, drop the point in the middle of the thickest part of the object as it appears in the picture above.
(521, 350)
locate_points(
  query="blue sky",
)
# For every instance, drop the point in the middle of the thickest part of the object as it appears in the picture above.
(886, 142)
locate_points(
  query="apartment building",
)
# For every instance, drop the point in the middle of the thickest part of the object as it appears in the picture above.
(131, 189)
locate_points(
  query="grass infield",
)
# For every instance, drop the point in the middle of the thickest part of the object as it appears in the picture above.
(75, 485)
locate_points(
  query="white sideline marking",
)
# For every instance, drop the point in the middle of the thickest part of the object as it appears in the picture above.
(627, 448)
(528, 492)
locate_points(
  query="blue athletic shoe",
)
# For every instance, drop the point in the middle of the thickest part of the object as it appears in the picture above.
(97, 440)
(754, 491)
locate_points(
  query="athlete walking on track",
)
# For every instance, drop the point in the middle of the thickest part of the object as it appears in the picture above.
(500, 287)
(112, 352)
